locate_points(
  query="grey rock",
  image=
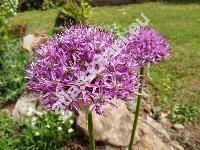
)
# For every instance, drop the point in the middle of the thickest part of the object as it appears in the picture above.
(187, 135)
(150, 140)
(26, 105)
(114, 130)
(145, 95)
(158, 127)
(178, 126)
(165, 121)
(29, 41)
(131, 105)
(177, 146)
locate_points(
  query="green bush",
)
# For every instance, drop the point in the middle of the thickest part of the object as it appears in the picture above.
(184, 113)
(48, 131)
(47, 4)
(13, 61)
(7, 11)
(8, 131)
(73, 13)
(18, 30)
(7, 125)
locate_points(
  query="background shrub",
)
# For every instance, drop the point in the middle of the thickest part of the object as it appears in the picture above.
(76, 12)
(184, 113)
(13, 61)
(44, 131)
(18, 30)
(8, 131)
(8, 9)
(47, 4)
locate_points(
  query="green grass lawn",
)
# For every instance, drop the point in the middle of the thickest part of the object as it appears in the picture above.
(174, 81)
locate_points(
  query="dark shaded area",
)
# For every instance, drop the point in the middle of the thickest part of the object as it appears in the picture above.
(170, 1)
(29, 5)
(64, 19)
(25, 5)
(111, 2)
(123, 2)
(183, 1)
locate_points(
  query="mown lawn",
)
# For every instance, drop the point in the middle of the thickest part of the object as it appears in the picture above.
(175, 81)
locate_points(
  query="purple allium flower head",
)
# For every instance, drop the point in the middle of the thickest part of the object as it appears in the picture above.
(146, 45)
(68, 77)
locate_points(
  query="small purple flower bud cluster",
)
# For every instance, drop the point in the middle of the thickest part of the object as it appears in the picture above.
(146, 45)
(75, 71)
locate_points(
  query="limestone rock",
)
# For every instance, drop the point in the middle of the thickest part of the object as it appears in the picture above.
(26, 105)
(178, 126)
(157, 127)
(145, 95)
(29, 41)
(132, 104)
(150, 140)
(114, 130)
(146, 107)
(165, 120)
(177, 146)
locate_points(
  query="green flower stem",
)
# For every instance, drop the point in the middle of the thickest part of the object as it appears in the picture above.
(90, 130)
(137, 113)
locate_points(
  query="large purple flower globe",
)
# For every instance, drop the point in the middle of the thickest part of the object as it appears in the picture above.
(70, 73)
(146, 45)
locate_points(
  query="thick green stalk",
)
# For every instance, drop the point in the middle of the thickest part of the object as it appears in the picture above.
(137, 112)
(90, 131)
